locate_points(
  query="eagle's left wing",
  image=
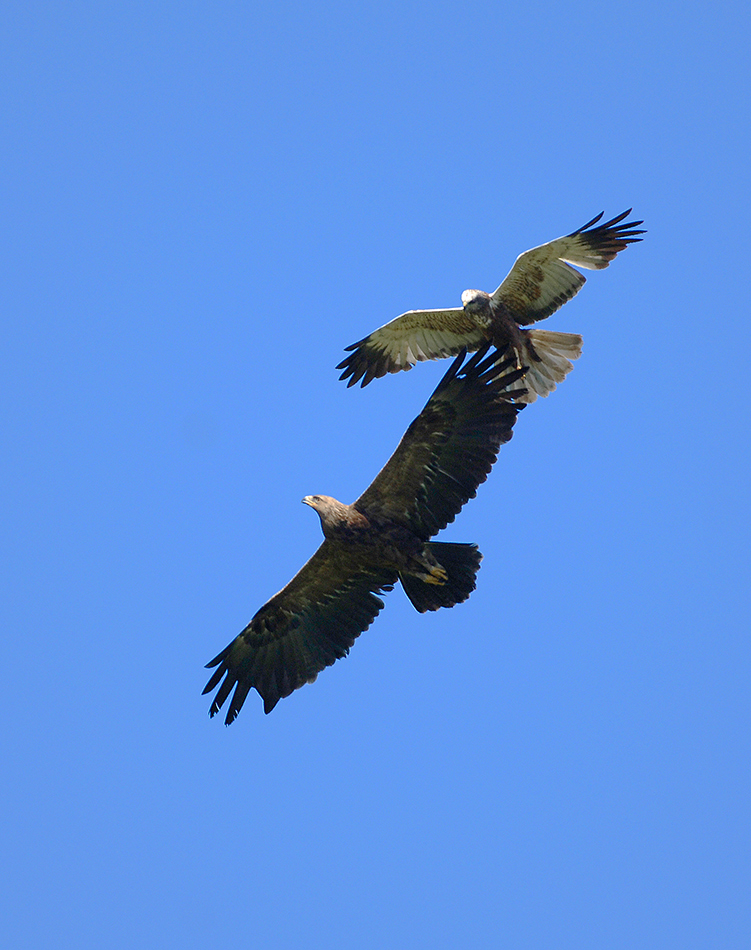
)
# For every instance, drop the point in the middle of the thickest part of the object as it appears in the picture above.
(414, 336)
(542, 279)
(449, 448)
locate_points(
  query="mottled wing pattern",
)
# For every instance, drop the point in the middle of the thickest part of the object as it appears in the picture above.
(542, 279)
(449, 448)
(414, 336)
(304, 628)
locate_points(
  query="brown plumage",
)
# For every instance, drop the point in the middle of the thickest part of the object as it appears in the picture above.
(382, 537)
(540, 282)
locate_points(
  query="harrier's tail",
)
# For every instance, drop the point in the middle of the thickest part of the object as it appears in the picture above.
(548, 358)
(450, 582)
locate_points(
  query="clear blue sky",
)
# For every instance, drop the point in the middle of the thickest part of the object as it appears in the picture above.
(203, 204)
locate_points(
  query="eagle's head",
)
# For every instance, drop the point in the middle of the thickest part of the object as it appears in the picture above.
(331, 512)
(319, 502)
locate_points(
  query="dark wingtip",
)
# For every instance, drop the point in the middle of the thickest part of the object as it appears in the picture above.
(623, 233)
(589, 224)
(346, 363)
(452, 371)
(475, 358)
(493, 361)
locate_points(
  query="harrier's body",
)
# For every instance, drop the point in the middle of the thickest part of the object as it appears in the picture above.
(541, 281)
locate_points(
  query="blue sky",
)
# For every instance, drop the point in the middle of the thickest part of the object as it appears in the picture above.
(203, 204)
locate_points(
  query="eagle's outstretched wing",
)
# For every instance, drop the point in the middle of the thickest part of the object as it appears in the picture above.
(449, 448)
(542, 279)
(307, 626)
(414, 336)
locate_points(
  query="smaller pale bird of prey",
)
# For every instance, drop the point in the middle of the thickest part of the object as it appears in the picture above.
(541, 281)
(382, 537)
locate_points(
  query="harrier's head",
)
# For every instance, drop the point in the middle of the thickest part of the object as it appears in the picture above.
(476, 301)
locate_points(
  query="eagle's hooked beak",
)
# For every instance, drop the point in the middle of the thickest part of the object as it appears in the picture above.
(308, 500)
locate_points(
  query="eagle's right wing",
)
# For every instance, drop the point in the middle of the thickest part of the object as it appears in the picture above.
(414, 336)
(307, 626)
(450, 447)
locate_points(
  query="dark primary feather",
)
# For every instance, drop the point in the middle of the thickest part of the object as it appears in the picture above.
(608, 238)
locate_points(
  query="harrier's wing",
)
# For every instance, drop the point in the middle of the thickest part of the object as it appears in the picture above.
(414, 336)
(542, 279)
(449, 448)
(304, 628)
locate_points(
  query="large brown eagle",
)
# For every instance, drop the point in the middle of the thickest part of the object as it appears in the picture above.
(382, 537)
(540, 282)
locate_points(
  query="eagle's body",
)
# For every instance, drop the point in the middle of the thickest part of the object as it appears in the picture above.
(541, 281)
(381, 538)
(376, 540)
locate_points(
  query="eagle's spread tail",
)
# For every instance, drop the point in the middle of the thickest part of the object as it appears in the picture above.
(460, 562)
(549, 360)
